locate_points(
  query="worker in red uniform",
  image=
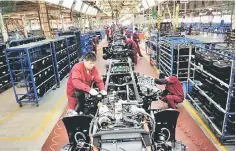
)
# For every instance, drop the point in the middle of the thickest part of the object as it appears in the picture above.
(80, 80)
(127, 33)
(173, 93)
(129, 42)
(95, 43)
(107, 33)
(137, 40)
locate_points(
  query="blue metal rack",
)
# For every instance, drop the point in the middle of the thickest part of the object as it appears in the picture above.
(25, 41)
(72, 51)
(174, 55)
(33, 64)
(4, 74)
(78, 40)
(86, 43)
(60, 58)
(219, 112)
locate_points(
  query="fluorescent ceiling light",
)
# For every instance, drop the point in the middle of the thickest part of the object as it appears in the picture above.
(151, 3)
(89, 10)
(144, 3)
(78, 5)
(96, 12)
(53, 1)
(67, 3)
(84, 8)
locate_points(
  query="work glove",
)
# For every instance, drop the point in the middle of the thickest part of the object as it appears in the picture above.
(71, 112)
(93, 92)
(103, 92)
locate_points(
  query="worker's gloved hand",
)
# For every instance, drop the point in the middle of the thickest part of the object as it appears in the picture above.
(93, 92)
(71, 112)
(103, 92)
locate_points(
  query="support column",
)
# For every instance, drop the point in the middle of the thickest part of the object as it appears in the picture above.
(159, 17)
(177, 17)
(44, 19)
(3, 30)
(23, 19)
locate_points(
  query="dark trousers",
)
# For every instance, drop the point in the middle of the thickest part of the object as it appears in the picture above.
(80, 97)
(172, 100)
(138, 50)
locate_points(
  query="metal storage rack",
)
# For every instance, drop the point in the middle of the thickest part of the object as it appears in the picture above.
(71, 50)
(214, 96)
(4, 74)
(78, 40)
(60, 58)
(174, 56)
(25, 41)
(33, 64)
(86, 43)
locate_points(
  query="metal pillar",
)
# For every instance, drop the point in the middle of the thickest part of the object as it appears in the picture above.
(44, 19)
(177, 17)
(23, 19)
(3, 30)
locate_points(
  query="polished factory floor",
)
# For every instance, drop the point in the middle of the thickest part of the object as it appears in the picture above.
(33, 128)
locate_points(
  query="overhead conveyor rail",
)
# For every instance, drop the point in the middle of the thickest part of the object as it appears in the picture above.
(214, 93)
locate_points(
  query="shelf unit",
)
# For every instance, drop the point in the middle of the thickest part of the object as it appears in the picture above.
(86, 43)
(214, 93)
(78, 40)
(31, 65)
(4, 74)
(174, 56)
(71, 49)
(18, 42)
(60, 58)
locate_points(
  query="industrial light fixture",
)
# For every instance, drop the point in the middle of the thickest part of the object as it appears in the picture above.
(151, 3)
(78, 5)
(67, 3)
(84, 8)
(145, 4)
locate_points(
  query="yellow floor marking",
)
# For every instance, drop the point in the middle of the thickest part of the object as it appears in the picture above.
(41, 129)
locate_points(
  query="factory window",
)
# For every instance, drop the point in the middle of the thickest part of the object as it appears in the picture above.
(188, 6)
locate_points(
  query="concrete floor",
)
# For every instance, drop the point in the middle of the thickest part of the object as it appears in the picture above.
(27, 128)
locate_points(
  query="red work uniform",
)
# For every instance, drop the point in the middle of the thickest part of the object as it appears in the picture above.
(134, 48)
(176, 93)
(137, 40)
(81, 80)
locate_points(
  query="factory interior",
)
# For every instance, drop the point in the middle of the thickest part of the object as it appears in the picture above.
(117, 75)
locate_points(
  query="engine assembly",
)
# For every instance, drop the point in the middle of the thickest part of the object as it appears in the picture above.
(123, 120)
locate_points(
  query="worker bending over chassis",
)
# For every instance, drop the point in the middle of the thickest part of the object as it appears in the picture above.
(81, 77)
(131, 44)
(173, 93)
